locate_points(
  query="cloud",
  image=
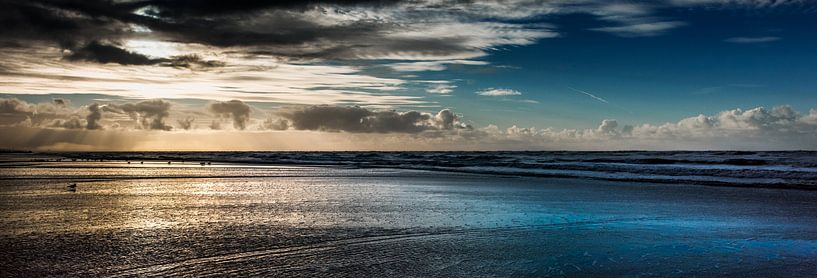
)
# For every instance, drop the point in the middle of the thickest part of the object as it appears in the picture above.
(307, 29)
(781, 118)
(191, 61)
(608, 127)
(148, 114)
(433, 65)
(345, 127)
(446, 119)
(751, 39)
(758, 128)
(186, 123)
(61, 102)
(775, 124)
(94, 115)
(103, 53)
(442, 89)
(645, 29)
(257, 79)
(72, 123)
(215, 125)
(422, 30)
(497, 92)
(47, 114)
(275, 124)
(362, 120)
(66, 23)
(14, 111)
(235, 109)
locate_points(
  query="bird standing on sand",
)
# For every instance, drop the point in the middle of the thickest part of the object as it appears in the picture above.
(72, 187)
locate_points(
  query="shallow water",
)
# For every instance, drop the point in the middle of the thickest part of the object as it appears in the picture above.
(154, 219)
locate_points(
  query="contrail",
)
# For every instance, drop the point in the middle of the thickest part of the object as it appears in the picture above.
(600, 99)
(590, 95)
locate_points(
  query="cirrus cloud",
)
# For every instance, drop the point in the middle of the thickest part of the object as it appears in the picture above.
(498, 92)
(752, 39)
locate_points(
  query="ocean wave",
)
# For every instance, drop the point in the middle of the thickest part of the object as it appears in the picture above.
(764, 169)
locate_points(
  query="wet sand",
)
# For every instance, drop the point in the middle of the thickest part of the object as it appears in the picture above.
(155, 219)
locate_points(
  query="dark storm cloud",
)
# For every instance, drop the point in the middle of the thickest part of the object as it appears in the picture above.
(70, 23)
(285, 33)
(185, 8)
(66, 23)
(104, 53)
(287, 28)
(235, 109)
(358, 119)
(191, 61)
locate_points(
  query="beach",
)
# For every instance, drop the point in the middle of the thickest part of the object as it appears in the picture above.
(151, 218)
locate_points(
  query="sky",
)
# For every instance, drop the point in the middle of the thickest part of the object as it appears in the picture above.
(86, 75)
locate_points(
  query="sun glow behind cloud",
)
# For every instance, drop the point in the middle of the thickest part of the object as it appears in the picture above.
(156, 48)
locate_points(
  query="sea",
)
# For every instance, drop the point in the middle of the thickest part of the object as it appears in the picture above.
(789, 169)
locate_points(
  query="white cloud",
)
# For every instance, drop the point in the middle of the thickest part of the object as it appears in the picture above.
(758, 128)
(442, 89)
(257, 79)
(433, 65)
(498, 92)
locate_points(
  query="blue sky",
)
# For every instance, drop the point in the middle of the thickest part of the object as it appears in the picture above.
(689, 70)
